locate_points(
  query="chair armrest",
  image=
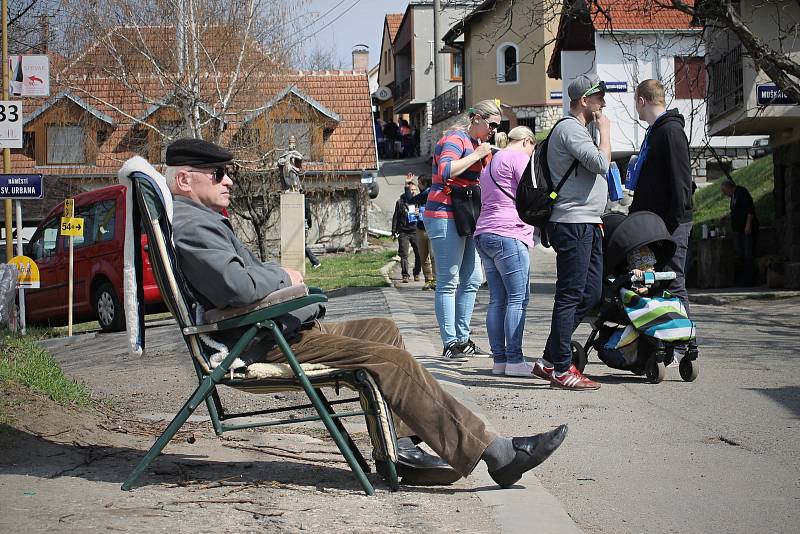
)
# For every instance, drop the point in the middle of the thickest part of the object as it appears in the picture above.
(276, 297)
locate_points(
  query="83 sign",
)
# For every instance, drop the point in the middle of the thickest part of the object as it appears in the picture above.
(10, 124)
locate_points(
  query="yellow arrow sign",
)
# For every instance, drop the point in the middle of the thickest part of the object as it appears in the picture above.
(72, 226)
(69, 208)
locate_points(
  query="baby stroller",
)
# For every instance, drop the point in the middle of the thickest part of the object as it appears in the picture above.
(641, 333)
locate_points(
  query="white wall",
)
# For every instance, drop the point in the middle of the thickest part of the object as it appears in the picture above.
(573, 64)
(633, 58)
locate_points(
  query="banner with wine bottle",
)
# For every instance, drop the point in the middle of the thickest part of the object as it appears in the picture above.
(29, 75)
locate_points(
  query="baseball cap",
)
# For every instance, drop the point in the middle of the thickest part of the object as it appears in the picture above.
(585, 85)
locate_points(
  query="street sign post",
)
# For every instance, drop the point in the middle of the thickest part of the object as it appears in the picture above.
(21, 186)
(70, 226)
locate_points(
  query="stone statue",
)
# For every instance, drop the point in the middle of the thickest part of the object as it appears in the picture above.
(290, 165)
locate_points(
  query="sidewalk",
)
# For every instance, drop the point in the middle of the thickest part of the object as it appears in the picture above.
(513, 510)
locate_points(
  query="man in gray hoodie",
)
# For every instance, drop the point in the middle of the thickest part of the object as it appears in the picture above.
(574, 229)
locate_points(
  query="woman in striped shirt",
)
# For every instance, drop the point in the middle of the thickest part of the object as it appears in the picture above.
(458, 160)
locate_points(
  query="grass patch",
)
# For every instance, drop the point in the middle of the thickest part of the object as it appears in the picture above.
(24, 362)
(711, 207)
(359, 269)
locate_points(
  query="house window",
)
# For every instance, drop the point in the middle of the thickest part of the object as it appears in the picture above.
(507, 63)
(690, 78)
(66, 145)
(456, 59)
(530, 122)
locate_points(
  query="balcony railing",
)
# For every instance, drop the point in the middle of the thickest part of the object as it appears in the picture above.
(726, 90)
(402, 90)
(447, 104)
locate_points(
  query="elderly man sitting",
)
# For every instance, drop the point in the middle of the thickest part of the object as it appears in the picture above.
(224, 273)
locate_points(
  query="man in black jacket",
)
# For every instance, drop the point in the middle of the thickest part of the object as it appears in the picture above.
(662, 175)
(404, 229)
(744, 224)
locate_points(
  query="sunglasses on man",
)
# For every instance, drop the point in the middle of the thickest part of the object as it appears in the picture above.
(217, 173)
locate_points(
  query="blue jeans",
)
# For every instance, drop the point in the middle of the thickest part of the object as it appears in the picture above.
(458, 277)
(507, 263)
(579, 272)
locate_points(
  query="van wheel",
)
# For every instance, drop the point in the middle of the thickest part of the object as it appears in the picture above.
(108, 309)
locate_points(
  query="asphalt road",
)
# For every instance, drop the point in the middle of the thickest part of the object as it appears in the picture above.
(717, 455)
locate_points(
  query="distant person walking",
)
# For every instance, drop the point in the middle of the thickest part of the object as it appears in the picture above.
(423, 241)
(404, 229)
(745, 226)
(458, 159)
(502, 240)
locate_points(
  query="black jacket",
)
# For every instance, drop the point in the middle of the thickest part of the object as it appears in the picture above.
(400, 223)
(741, 206)
(665, 179)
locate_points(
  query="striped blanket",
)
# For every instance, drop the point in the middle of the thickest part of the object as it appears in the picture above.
(663, 318)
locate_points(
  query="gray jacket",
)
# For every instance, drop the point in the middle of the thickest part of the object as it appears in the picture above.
(583, 196)
(221, 270)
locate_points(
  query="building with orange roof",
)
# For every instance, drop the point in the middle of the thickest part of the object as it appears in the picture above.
(95, 119)
(627, 41)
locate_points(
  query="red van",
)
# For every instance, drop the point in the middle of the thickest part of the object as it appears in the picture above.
(97, 264)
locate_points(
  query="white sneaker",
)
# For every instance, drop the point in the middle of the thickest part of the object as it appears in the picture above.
(519, 369)
(499, 369)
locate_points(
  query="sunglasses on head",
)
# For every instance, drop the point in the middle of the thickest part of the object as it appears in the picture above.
(599, 87)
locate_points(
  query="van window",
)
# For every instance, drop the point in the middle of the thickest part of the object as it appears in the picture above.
(44, 243)
(98, 223)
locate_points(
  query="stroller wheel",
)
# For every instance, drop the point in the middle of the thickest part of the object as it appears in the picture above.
(654, 370)
(579, 357)
(688, 369)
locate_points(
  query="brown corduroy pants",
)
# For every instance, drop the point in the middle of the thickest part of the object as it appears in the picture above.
(416, 398)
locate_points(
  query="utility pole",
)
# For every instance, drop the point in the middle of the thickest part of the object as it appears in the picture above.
(6, 151)
(437, 43)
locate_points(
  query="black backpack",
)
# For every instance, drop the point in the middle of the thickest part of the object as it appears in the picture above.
(534, 199)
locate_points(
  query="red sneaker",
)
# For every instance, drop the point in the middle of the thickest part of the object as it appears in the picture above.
(540, 371)
(572, 379)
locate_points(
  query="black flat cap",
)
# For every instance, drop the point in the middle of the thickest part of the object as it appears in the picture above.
(197, 153)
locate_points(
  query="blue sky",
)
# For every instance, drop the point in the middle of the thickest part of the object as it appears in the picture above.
(340, 24)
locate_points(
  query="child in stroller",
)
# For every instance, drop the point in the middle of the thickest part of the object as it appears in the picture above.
(638, 327)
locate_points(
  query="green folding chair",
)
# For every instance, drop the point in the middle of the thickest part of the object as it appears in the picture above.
(149, 213)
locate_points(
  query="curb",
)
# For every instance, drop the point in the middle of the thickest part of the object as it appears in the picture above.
(511, 509)
(721, 299)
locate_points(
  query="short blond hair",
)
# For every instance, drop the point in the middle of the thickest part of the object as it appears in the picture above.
(652, 91)
(521, 132)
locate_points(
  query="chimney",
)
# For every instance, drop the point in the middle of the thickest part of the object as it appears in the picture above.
(360, 58)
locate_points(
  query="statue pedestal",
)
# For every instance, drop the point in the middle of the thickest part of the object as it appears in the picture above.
(293, 235)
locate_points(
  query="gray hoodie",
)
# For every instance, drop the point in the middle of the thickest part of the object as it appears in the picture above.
(583, 196)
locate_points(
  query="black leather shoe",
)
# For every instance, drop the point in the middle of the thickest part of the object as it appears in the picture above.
(531, 451)
(417, 467)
